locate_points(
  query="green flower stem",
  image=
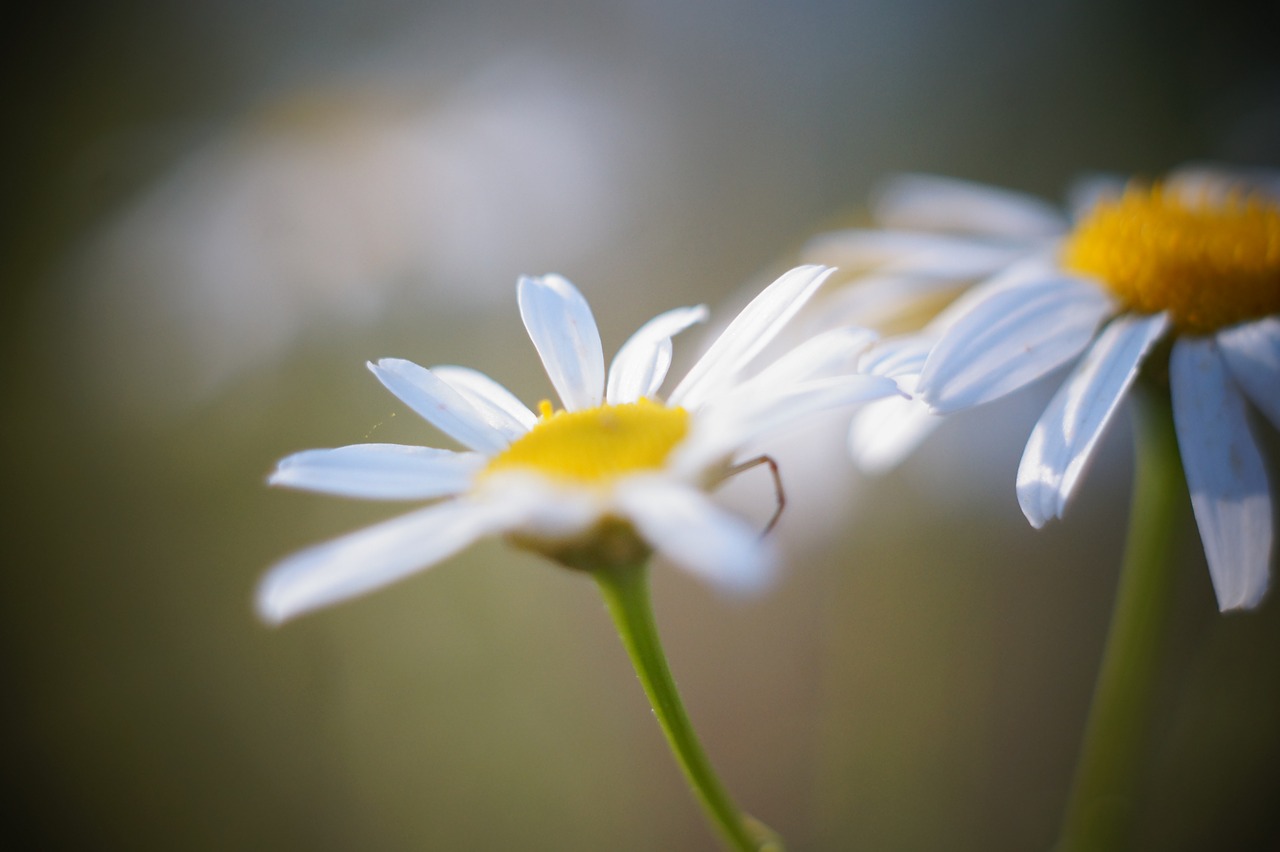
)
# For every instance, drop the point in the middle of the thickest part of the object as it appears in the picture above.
(626, 591)
(1100, 813)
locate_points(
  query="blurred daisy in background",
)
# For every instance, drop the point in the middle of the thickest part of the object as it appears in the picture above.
(613, 475)
(328, 204)
(1192, 263)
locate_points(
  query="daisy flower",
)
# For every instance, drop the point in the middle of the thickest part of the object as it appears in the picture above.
(1180, 278)
(614, 474)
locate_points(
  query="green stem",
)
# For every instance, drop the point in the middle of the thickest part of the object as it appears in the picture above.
(626, 591)
(1100, 813)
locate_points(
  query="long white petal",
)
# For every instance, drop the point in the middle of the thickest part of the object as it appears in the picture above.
(884, 432)
(833, 350)
(439, 404)
(1225, 473)
(379, 471)
(684, 526)
(372, 557)
(1252, 351)
(898, 356)
(1063, 441)
(498, 406)
(564, 332)
(752, 330)
(935, 203)
(1010, 339)
(911, 253)
(642, 363)
(745, 415)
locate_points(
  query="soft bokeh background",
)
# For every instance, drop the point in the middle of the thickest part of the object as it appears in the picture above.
(216, 212)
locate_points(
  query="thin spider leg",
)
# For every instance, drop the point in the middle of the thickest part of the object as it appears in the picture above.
(777, 486)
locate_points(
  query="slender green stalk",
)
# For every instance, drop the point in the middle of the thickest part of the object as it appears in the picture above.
(626, 591)
(1100, 813)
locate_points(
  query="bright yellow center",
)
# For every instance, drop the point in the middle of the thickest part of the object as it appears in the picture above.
(596, 445)
(1210, 264)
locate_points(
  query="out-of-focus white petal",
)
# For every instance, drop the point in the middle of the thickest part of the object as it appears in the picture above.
(372, 557)
(498, 406)
(898, 356)
(642, 363)
(379, 471)
(752, 330)
(884, 432)
(1215, 184)
(912, 253)
(746, 414)
(1252, 351)
(1087, 190)
(1063, 441)
(821, 355)
(564, 332)
(933, 203)
(1225, 473)
(680, 523)
(1010, 339)
(439, 404)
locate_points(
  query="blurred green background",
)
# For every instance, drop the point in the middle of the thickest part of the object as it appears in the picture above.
(215, 212)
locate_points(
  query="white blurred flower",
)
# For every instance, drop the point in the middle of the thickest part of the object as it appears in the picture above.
(1193, 263)
(614, 474)
(329, 205)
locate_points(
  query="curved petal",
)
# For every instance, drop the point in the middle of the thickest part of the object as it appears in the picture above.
(642, 363)
(1063, 441)
(379, 471)
(752, 330)
(746, 414)
(898, 356)
(884, 432)
(915, 253)
(498, 406)
(564, 332)
(684, 526)
(1010, 339)
(372, 557)
(1225, 473)
(821, 355)
(1252, 351)
(439, 404)
(937, 203)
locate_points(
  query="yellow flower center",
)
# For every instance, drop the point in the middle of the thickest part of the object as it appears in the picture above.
(596, 445)
(1210, 264)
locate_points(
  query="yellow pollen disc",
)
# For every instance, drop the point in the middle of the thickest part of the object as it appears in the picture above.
(1211, 264)
(598, 444)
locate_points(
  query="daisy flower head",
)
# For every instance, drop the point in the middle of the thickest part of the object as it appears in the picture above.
(1180, 279)
(614, 474)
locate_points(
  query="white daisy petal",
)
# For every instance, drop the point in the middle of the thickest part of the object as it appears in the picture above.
(680, 523)
(642, 363)
(833, 350)
(372, 557)
(1064, 439)
(499, 406)
(911, 253)
(935, 203)
(379, 471)
(1252, 351)
(748, 413)
(1225, 473)
(884, 432)
(752, 330)
(898, 356)
(439, 404)
(1011, 338)
(564, 332)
